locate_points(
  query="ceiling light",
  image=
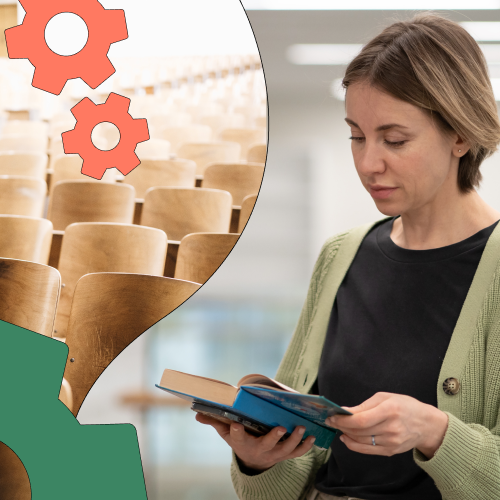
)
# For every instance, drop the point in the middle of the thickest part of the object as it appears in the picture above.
(370, 5)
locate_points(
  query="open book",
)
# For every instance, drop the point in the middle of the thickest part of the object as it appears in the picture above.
(260, 399)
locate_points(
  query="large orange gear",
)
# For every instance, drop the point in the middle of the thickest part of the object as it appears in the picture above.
(115, 111)
(52, 71)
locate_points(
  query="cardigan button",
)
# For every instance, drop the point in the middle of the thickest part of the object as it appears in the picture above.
(451, 386)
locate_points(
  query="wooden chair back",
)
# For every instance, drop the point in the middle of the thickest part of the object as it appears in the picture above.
(25, 238)
(240, 179)
(181, 211)
(220, 122)
(154, 148)
(102, 247)
(88, 201)
(24, 143)
(29, 293)
(22, 195)
(204, 153)
(245, 137)
(24, 127)
(257, 153)
(109, 311)
(167, 173)
(25, 164)
(177, 136)
(201, 254)
(246, 210)
(14, 480)
(69, 168)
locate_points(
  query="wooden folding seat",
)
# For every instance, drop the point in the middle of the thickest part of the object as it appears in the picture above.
(22, 195)
(25, 238)
(103, 247)
(69, 168)
(25, 164)
(240, 179)
(245, 137)
(14, 480)
(109, 311)
(154, 148)
(66, 395)
(29, 293)
(24, 127)
(24, 143)
(257, 153)
(201, 254)
(260, 122)
(209, 152)
(88, 201)
(181, 211)
(167, 173)
(180, 135)
(246, 210)
(220, 122)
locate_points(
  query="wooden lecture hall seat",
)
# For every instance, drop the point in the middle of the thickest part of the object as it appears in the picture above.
(245, 137)
(24, 164)
(180, 211)
(102, 324)
(240, 179)
(201, 254)
(30, 293)
(25, 238)
(22, 195)
(246, 210)
(203, 153)
(257, 153)
(167, 173)
(177, 136)
(154, 148)
(89, 201)
(105, 247)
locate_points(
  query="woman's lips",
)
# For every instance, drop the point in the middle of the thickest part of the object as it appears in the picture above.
(380, 193)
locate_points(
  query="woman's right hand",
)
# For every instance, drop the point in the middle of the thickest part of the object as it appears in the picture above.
(260, 453)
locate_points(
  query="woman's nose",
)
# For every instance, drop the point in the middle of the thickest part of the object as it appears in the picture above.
(370, 159)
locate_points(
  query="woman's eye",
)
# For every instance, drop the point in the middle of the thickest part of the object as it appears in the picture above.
(395, 144)
(356, 139)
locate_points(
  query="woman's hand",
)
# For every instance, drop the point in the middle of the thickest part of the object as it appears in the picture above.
(399, 423)
(260, 453)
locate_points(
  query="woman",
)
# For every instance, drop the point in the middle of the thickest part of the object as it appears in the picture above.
(402, 319)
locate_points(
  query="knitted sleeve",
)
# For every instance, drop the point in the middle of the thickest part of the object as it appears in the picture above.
(288, 480)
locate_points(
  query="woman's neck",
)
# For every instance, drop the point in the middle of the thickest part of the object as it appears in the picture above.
(455, 221)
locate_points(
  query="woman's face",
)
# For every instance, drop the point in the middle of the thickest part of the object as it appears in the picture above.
(403, 160)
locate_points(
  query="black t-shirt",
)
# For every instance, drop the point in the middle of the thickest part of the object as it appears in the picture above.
(389, 330)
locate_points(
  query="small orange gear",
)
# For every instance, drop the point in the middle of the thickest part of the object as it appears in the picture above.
(115, 111)
(52, 71)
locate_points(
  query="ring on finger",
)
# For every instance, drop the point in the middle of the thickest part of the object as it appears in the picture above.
(373, 440)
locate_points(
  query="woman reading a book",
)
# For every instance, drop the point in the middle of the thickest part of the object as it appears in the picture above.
(402, 320)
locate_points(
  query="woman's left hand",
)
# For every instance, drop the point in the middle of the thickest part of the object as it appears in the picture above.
(397, 422)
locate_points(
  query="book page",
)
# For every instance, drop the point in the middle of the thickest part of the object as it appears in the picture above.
(257, 380)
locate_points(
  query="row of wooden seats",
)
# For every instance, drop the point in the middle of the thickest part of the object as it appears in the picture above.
(108, 312)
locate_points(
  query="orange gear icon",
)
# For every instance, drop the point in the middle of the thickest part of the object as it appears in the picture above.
(115, 111)
(52, 71)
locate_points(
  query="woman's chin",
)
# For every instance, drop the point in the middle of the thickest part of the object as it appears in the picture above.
(387, 208)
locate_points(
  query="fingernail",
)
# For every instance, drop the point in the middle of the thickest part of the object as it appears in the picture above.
(302, 430)
(313, 439)
(236, 429)
(281, 433)
(342, 438)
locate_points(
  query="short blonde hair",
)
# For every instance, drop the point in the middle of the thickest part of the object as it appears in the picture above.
(434, 64)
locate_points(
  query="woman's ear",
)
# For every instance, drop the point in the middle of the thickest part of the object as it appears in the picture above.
(460, 147)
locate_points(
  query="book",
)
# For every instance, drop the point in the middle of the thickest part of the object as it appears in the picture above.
(259, 399)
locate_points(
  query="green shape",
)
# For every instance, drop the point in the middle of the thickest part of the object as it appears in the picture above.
(63, 459)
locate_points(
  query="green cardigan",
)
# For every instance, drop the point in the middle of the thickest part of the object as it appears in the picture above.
(467, 464)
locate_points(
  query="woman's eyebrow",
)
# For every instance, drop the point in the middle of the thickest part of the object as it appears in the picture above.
(378, 129)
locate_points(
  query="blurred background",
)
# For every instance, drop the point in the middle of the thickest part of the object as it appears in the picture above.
(241, 321)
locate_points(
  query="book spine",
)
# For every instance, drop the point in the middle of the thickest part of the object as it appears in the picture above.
(269, 414)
